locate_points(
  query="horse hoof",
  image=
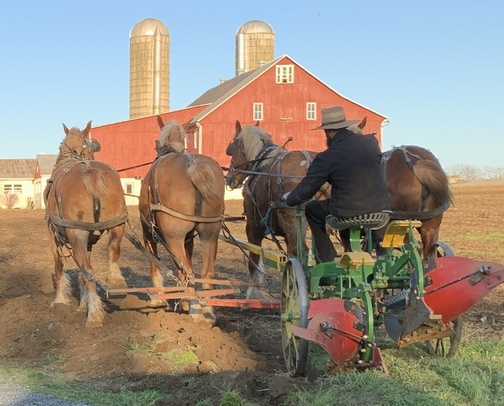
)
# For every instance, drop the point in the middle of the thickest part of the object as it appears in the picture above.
(59, 301)
(202, 313)
(156, 303)
(94, 323)
(117, 283)
(254, 294)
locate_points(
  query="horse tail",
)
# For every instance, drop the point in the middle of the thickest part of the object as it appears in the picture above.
(203, 179)
(94, 183)
(431, 175)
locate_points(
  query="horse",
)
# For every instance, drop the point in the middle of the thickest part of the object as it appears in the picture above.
(181, 195)
(267, 171)
(420, 190)
(84, 199)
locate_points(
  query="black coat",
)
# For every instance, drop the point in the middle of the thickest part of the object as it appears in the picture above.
(352, 166)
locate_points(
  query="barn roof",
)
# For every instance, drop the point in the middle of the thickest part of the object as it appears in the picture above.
(46, 163)
(17, 168)
(219, 94)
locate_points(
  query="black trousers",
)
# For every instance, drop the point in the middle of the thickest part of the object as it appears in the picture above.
(316, 212)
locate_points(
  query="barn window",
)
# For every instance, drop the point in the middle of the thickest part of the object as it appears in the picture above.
(285, 73)
(258, 112)
(129, 188)
(311, 111)
(12, 188)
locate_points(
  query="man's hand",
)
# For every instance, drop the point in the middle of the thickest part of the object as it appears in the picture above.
(284, 197)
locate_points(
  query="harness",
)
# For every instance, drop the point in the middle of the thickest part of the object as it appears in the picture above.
(58, 223)
(274, 179)
(155, 203)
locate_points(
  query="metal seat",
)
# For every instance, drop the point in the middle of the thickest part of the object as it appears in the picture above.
(373, 221)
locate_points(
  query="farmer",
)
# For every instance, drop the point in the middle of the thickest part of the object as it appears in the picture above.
(351, 164)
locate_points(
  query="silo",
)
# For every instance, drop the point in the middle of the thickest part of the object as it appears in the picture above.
(255, 44)
(149, 68)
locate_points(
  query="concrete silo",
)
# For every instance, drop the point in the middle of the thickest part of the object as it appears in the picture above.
(149, 68)
(255, 44)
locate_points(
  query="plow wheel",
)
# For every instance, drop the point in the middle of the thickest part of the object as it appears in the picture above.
(447, 346)
(294, 311)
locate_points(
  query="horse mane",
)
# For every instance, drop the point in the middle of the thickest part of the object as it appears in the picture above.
(254, 140)
(173, 135)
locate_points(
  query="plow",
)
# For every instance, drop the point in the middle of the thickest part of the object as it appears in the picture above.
(339, 305)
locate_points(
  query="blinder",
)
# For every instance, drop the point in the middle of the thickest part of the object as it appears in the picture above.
(94, 146)
(232, 148)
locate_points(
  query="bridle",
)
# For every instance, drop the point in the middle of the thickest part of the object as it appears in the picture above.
(236, 146)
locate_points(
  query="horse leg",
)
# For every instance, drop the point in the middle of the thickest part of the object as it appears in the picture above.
(155, 274)
(255, 262)
(429, 234)
(115, 277)
(89, 297)
(209, 237)
(288, 222)
(61, 281)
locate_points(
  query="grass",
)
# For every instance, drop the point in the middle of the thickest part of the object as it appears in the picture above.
(474, 377)
(180, 359)
(60, 388)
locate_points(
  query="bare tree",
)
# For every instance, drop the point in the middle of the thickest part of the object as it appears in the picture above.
(9, 200)
(466, 172)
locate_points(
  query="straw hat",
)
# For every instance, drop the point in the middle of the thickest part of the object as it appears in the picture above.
(333, 118)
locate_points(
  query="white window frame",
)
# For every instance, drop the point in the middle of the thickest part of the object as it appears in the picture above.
(311, 111)
(285, 74)
(13, 188)
(258, 112)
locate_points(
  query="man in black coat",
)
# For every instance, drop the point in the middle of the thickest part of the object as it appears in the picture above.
(352, 166)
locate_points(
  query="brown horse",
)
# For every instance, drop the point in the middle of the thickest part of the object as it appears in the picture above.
(420, 190)
(182, 194)
(84, 198)
(270, 171)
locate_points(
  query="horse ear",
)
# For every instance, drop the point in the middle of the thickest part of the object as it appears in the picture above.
(186, 124)
(65, 129)
(257, 123)
(237, 127)
(362, 124)
(87, 129)
(160, 122)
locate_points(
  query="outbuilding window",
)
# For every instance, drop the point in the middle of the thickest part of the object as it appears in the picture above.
(12, 188)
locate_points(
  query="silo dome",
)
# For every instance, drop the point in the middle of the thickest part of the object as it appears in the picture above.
(255, 44)
(148, 27)
(149, 68)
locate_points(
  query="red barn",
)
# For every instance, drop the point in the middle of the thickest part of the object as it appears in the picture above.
(283, 96)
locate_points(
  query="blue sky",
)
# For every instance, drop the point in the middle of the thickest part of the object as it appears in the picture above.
(434, 68)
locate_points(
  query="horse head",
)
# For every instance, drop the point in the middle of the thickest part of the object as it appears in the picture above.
(246, 145)
(172, 136)
(78, 143)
